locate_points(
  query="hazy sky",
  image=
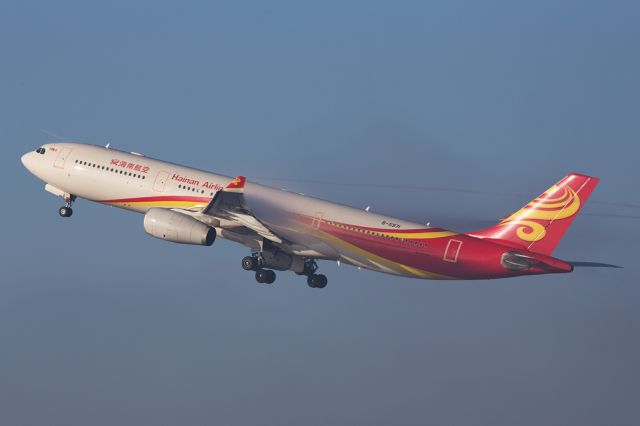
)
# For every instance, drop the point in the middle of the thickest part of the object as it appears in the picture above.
(101, 324)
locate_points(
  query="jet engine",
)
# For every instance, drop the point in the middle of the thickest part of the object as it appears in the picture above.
(177, 227)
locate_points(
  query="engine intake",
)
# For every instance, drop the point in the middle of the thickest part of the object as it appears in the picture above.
(177, 227)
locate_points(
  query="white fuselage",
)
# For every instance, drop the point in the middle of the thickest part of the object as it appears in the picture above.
(138, 183)
(288, 231)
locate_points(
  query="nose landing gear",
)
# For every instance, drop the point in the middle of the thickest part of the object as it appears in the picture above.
(67, 211)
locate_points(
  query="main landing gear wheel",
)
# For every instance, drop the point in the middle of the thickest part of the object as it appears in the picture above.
(65, 211)
(265, 276)
(250, 263)
(317, 281)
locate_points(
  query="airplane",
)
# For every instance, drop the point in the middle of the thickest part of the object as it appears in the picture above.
(290, 231)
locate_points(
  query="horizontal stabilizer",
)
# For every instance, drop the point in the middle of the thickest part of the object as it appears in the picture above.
(594, 265)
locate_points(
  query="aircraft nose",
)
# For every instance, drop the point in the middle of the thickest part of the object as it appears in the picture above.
(27, 160)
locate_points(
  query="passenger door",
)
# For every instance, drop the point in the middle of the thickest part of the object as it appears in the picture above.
(62, 158)
(452, 251)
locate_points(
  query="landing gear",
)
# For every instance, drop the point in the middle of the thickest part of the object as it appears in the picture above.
(317, 281)
(67, 211)
(313, 280)
(255, 263)
(310, 267)
(265, 276)
(250, 263)
(259, 261)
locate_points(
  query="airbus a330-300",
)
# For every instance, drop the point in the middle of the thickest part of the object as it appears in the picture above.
(290, 231)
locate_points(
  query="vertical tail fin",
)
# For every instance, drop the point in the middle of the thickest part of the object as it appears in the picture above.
(541, 224)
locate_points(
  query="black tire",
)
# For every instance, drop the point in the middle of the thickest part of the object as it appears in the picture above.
(261, 275)
(271, 277)
(65, 211)
(322, 281)
(249, 263)
(311, 281)
(317, 281)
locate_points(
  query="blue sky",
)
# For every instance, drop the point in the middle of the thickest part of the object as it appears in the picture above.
(101, 324)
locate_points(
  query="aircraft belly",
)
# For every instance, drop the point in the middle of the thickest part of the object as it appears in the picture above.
(304, 243)
(312, 223)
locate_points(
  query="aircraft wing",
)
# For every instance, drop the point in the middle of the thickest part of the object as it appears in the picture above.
(229, 205)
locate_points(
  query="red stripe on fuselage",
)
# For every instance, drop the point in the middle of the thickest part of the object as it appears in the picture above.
(156, 199)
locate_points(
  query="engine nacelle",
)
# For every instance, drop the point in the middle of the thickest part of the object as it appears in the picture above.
(178, 228)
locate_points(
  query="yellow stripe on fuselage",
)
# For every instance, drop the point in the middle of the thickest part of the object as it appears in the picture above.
(416, 235)
(398, 267)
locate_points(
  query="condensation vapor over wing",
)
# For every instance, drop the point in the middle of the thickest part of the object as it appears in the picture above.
(410, 187)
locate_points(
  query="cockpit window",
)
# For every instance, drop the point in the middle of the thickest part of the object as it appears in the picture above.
(40, 150)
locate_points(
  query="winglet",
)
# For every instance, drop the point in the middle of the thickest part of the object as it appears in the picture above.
(236, 185)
